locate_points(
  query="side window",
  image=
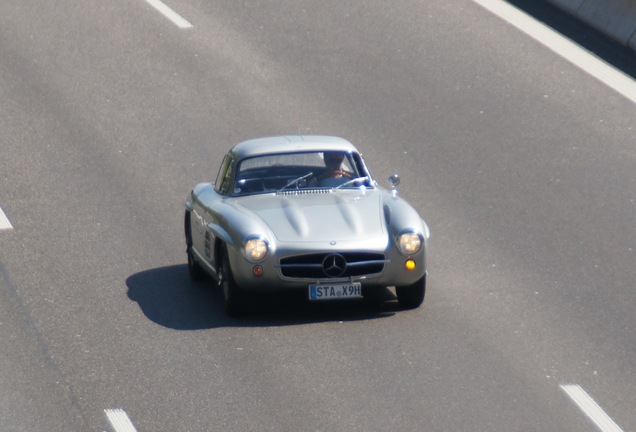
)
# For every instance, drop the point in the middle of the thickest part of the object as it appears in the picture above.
(224, 177)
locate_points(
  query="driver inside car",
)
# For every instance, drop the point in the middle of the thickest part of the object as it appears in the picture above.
(334, 175)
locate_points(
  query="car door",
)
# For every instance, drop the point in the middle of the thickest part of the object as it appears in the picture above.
(222, 188)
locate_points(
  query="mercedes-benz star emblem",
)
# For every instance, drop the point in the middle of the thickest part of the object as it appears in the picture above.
(334, 265)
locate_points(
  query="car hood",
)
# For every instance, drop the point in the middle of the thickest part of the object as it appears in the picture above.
(332, 216)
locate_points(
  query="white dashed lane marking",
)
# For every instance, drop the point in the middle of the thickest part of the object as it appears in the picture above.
(591, 409)
(4, 222)
(564, 47)
(177, 19)
(119, 420)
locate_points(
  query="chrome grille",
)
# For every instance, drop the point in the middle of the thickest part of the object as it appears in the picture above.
(304, 192)
(321, 265)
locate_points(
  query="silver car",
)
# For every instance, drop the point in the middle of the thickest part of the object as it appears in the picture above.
(303, 213)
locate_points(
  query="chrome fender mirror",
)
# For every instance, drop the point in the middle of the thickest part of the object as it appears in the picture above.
(394, 180)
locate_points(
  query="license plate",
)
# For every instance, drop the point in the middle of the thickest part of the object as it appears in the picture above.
(335, 291)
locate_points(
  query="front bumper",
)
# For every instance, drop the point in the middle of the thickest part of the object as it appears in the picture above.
(386, 267)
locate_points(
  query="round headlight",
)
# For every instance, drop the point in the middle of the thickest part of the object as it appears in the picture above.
(255, 249)
(409, 243)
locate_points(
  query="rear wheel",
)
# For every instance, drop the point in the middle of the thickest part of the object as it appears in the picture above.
(411, 296)
(233, 295)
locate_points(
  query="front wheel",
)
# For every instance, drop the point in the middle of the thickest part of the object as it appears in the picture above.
(233, 295)
(411, 296)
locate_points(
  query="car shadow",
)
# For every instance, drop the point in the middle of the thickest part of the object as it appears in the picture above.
(168, 297)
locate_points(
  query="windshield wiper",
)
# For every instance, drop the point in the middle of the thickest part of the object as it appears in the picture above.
(295, 181)
(349, 182)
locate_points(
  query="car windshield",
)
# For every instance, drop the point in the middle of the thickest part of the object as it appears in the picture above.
(307, 170)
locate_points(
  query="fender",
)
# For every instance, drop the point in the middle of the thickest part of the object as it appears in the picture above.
(220, 233)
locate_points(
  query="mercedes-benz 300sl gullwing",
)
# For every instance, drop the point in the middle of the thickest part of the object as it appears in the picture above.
(303, 213)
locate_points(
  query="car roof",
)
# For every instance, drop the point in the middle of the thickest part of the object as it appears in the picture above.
(290, 143)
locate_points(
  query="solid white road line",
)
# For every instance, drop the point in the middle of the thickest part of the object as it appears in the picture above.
(4, 222)
(170, 14)
(590, 408)
(119, 420)
(564, 47)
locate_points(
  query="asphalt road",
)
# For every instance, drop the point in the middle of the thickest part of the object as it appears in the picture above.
(522, 165)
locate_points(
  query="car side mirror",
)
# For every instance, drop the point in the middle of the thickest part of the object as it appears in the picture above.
(394, 180)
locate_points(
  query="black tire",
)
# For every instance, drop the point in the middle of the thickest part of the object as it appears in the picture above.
(194, 269)
(233, 295)
(411, 296)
